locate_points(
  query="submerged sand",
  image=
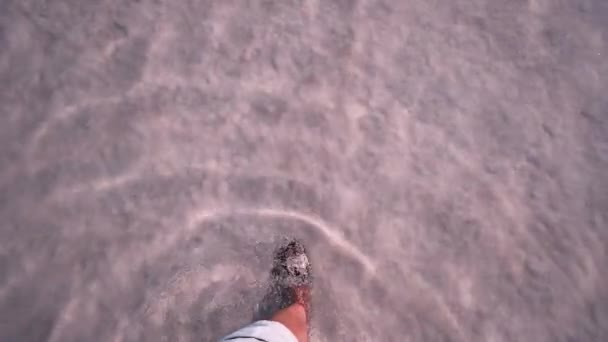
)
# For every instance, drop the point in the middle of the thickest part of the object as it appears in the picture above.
(444, 161)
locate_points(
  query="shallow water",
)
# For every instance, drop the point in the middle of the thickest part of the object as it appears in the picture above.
(444, 161)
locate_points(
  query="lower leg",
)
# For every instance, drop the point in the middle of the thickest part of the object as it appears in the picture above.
(294, 318)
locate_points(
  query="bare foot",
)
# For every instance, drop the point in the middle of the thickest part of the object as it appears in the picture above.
(292, 271)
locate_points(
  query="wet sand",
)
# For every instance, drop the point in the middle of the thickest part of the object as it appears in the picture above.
(446, 163)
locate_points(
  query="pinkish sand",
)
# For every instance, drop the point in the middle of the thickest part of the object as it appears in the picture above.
(446, 163)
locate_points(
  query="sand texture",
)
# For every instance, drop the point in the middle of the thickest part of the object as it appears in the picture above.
(445, 161)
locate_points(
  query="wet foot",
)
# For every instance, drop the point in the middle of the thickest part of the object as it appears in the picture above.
(290, 279)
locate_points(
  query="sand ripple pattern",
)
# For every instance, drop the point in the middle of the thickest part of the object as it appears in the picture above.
(444, 161)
